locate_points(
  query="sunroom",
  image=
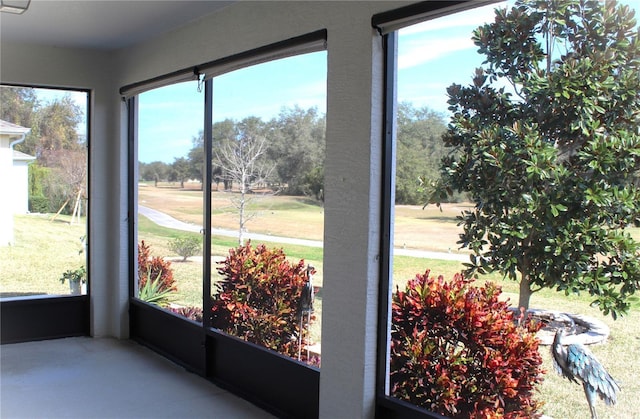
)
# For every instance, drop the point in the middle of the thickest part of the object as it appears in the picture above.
(162, 82)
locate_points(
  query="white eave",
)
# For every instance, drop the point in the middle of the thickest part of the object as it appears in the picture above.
(20, 156)
(13, 130)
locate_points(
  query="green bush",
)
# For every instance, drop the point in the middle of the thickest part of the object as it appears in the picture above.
(39, 204)
(186, 246)
(456, 350)
(259, 296)
(78, 275)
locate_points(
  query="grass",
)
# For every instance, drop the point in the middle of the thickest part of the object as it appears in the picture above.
(188, 274)
(562, 398)
(58, 243)
(42, 251)
(416, 228)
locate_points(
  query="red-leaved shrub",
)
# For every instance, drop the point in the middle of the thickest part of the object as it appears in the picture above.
(154, 267)
(190, 312)
(456, 350)
(258, 298)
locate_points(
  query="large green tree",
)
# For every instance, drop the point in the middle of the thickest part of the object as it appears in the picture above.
(58, 122)
(419, 151)
(297, 146)
(53, 124)
(156, 171)
(60, 174)
(548, 140)
(19, 105)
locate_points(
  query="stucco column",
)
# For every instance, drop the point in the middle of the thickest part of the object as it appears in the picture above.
(352, 220)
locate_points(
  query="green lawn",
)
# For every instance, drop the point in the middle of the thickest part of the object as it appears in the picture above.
(49, 248)
(42, 251)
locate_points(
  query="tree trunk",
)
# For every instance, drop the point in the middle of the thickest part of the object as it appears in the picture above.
(241, 211)
(525, 292)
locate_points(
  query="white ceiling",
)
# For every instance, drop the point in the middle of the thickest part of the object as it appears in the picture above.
(100, 24)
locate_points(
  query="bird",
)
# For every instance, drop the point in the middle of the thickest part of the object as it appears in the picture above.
(578, 364)
(306, 296)
(305, 305)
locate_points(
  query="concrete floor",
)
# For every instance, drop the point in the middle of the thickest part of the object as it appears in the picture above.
(106, 378)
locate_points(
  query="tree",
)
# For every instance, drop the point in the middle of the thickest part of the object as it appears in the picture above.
(419, 150)
(548, 142)
(53, 125)
(57, 123)
(195, 157)
(19, 105)
(223, 132)
(60, 173)
(155, 171)
(69, 172)
(180, 170)
(241, 161)
(297, 146)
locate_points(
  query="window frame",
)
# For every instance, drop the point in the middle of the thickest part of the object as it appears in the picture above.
(275, 382)
(387, 24)
(41, 317)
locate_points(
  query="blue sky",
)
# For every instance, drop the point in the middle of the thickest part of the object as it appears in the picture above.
(172, 116)
(434, 54)
(431, 56)
(429, 60)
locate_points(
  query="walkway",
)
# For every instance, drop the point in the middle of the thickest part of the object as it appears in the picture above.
(168, 221)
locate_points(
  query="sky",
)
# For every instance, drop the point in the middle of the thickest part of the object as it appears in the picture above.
(431, 56)
(429, 60)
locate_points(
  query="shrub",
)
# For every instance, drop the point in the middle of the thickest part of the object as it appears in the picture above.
(39, 204)
(152, 292)
(456, 350)
(186, 246)
(258, 298)
(154, 267)
(190, 312)
(78, 275)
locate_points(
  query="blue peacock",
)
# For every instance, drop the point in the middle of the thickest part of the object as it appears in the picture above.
(577, 363)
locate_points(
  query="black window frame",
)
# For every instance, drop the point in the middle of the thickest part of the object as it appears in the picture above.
(387, 24)
(42, 317)
(277, 383)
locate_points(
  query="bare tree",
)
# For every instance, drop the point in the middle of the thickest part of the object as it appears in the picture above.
(242, 164)
(70, 167)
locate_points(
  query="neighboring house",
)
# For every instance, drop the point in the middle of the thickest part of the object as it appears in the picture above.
(20, 198)
(14, 178)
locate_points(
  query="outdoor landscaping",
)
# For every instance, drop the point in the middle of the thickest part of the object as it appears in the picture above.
(59, 251)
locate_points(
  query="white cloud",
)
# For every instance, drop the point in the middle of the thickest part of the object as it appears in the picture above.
(438, 37)
(419, 51)
(470, 18)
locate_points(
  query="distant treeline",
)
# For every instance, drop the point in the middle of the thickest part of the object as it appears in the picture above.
(296, 149)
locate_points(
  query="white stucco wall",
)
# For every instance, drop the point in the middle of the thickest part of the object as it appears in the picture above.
(20, 184)
(353, 163)
(6, 211)
(92, 70)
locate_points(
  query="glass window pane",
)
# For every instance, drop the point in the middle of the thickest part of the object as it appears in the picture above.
(267, 190)
(170, 198)
(445, 342)
(43, 178)
(431, 56)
